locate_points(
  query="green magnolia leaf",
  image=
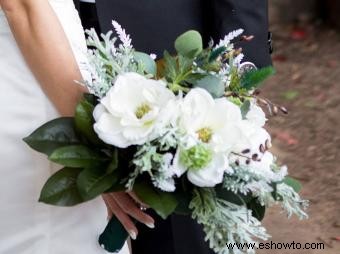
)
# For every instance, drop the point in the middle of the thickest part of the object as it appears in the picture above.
(254, 78)
(77, 156)
(189, 44)
(227, 195)
(212, 84)
(114, 162)
(61, 188)
(164, 203)
(90, 98)
(257, 209)
(84, 121)
(52, 135)
(295, 184)
(148, 63)
(94, 181)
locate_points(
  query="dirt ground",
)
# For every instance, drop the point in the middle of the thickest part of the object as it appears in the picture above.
(308, 139)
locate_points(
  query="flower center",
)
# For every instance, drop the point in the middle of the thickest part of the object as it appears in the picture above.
(205, 134)
(196, 158)
(142, 110)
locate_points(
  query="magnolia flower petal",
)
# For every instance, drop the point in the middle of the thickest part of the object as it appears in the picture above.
(210, 175)
(256, 115)
(109, 130)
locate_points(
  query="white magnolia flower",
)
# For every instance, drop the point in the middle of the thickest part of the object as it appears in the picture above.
(210, 130)
(131, 110)
(213, 122)
(256, 115)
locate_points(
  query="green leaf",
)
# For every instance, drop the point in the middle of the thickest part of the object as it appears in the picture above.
(189, 44)
(257, 209)
(295, 184)
(164, 203)
(227, 195)
(148, 63)
(52, 135)
(216, 53)
(94, 181)
(114, 162)
(245, 108)
(84, 121)
(212, 84)
(254, 78)
(61, 188)
(170, 70)
(90, 98)
(77, 156)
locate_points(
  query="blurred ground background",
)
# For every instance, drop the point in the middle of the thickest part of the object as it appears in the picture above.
(307, 59)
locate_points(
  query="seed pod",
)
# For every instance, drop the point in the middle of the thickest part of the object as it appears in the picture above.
(275, 110)
(255, 156)
(247, 161)
(262, 149)
(247, 38)
(237, 162)
(257, 92)
(246, 151)
(284, 110)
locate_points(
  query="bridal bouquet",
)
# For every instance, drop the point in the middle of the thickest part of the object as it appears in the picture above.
(185, 133)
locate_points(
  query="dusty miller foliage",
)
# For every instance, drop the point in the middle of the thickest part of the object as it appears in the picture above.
(225, 223)
(154, 158)
(107, 59)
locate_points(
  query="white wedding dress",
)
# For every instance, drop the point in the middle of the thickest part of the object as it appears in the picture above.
(26, 226)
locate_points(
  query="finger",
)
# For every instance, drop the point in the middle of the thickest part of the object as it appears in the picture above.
(109, 212)
(135, 198)
(122, 217)
(128, 205)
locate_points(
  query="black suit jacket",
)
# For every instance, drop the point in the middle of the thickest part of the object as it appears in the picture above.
(155, 24)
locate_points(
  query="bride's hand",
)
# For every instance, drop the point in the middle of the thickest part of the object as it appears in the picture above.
(125, 205)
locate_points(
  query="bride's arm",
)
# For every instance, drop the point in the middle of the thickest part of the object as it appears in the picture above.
(46, 49)
(49, 55)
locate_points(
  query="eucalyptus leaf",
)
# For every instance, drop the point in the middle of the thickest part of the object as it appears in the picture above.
(84, 121)
(295, 184)
(189, 44)
(77, 156)
(61, 188)
(214, 85)
(94, 181)
(148, 63)
(245, 108)
(164, 203)
(52, 135)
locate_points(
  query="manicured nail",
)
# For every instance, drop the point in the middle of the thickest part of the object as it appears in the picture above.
(150, 225)
(133, 235)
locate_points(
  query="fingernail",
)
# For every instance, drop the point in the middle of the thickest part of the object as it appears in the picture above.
(150, 225)
(133, 235)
